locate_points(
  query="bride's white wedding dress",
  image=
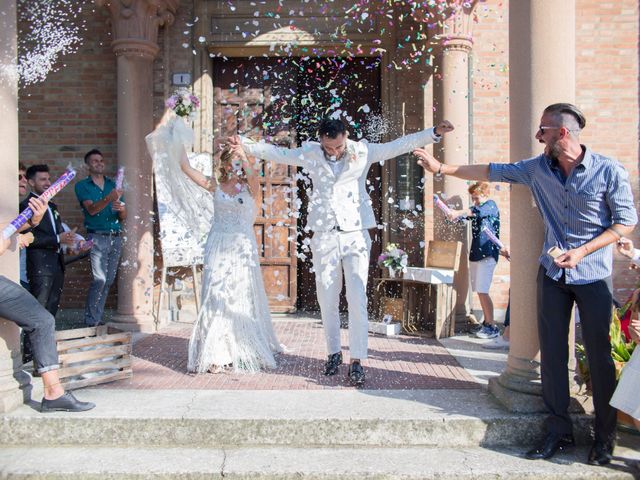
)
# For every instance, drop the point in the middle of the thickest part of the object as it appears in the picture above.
(234, 323)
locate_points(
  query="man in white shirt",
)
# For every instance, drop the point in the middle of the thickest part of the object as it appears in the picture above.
(340, 215)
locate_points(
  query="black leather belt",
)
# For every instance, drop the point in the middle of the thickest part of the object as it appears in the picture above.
(108, 234)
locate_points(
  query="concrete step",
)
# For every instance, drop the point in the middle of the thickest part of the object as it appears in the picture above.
(285, 463)
(205, 418)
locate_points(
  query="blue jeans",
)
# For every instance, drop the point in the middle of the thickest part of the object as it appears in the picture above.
(105, 256)
(20, 307)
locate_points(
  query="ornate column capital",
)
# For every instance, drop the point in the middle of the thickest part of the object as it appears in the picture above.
(135, 24)
(453, 21)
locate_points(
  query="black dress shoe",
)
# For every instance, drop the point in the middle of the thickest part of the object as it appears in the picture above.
(601, 452)
(550, 446)
(66, 403)
(356, 374)
(333, 362)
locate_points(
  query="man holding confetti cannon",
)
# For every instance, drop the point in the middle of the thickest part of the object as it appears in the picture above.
(45, 259)
(104, 211)
(586, 204)
(17, 305)
(340, 215)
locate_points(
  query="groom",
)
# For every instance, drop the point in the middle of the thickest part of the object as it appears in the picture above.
(340, 213)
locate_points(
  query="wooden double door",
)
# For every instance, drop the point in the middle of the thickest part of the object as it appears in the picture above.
(281, 100)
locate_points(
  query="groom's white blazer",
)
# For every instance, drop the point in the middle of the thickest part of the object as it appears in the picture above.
(341, 200)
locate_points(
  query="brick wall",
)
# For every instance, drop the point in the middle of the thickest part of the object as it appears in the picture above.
(64, 117)
(490, 80)
(607, 92)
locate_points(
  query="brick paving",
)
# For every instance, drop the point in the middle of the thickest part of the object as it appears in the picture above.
(395, 363)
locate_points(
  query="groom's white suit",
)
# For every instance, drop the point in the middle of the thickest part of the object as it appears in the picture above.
(340, 213)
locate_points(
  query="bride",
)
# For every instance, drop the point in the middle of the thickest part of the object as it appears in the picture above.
(234, 326)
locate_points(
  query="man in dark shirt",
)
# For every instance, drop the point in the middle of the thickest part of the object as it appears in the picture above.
(104, 213)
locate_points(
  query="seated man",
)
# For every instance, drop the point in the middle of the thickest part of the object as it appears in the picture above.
(19, 306)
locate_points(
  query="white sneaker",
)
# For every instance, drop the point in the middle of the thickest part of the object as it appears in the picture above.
(498, 343)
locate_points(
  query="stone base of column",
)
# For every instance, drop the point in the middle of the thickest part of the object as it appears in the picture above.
(520, 400)
(14, 391)
(10, 400)
(134, 323)
(521, 395)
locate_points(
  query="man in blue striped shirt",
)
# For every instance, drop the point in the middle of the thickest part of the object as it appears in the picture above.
(586, 205)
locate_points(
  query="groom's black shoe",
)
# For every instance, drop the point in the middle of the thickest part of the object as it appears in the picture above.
(333, 362)
(356, 374)
(550, 446)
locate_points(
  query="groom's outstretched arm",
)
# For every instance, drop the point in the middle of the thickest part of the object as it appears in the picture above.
(379, 152)
(272, 153)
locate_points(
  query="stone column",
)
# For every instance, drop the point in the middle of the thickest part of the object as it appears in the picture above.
(135, 31)
(541, 72)
(11, 378)
(451, 102)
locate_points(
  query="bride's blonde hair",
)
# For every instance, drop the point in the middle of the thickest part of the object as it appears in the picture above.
(223, 174)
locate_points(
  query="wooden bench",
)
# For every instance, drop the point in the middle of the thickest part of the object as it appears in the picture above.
(427, 303)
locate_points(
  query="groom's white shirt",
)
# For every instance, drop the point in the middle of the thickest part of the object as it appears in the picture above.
(342, 199)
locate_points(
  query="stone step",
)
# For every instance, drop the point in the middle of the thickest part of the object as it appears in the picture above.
(284, 463)
(205, 418)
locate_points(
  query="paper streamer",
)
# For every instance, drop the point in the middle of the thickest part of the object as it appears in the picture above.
(48, 194)
(441, 205)
(495, 240)
(119, 178)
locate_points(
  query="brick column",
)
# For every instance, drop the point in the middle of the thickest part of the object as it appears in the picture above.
(135, 30)
(451, 101)
(11, 377)
(541, 72)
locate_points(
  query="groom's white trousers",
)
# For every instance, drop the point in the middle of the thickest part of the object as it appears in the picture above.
(334, 252)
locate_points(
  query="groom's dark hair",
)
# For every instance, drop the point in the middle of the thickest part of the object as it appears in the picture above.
(331, 128)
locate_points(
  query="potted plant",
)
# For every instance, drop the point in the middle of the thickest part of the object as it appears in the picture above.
(621, 349)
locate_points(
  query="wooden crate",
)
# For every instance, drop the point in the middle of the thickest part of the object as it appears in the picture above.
(430, 309)
(93, 355)
(392, 306)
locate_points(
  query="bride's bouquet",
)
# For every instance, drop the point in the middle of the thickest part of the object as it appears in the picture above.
(182, 102)
(394, 259)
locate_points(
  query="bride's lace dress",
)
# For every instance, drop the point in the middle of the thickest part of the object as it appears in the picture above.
(234, 323)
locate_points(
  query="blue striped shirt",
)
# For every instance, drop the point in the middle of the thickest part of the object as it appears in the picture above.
(575, 209)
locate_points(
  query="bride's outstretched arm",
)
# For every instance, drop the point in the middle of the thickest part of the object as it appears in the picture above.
(208, 183)
(251, 170)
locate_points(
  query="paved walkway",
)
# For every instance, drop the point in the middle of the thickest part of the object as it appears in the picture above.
(395, 363)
